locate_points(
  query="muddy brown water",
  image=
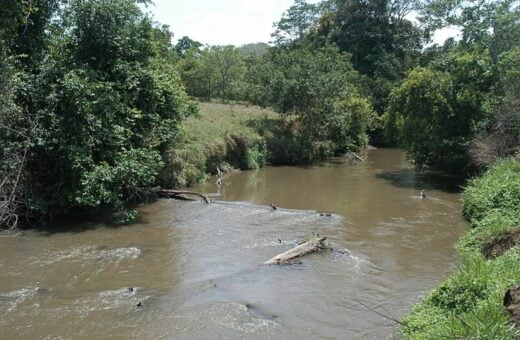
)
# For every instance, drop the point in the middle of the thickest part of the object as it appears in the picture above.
(197, 269)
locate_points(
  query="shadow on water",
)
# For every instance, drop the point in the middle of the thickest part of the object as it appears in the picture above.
(427, 180)
(80, 222)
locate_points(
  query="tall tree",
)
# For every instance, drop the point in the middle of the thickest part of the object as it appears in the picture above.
(295, 22)
(439, 110)
(23, 36)
(382, 42)
(319, 86)
(185, 44)
(229, 68)
(108, 105)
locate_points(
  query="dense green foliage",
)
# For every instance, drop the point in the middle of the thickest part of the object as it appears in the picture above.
(319, 87)
(99, 149)
(22, 47)
(100, 106)
(213, 72)
(469, 303)
(435, 114)
(459, 103)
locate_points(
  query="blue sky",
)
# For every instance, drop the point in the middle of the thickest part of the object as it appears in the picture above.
(229, 22)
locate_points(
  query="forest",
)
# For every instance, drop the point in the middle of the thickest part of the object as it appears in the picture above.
(95, 95)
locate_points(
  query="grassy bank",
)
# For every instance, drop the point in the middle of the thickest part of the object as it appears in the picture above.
(469, 304)
(221, 134)
(241, 137)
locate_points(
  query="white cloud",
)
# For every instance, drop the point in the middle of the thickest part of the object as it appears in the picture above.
(221, 22)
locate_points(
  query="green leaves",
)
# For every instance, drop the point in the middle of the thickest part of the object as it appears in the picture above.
(215, 71)
(108, 106)
(110, 185)
(438, 110)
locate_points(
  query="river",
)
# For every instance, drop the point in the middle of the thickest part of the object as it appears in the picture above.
(196, 269)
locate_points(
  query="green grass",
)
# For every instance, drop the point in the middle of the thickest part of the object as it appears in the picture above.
(497, 191)
(469, 303)
(227, 135)
(217, 122)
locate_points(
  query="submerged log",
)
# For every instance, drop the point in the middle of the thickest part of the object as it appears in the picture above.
(177, 194)
(308, 247)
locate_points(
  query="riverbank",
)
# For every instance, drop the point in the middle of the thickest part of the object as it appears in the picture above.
(221, 135)
(237, 136)
(470, 303)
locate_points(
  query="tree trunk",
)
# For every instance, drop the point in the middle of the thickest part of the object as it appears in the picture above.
(303, 249)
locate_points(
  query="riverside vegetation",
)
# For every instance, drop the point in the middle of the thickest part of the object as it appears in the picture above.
(470, 302)
(96, 102)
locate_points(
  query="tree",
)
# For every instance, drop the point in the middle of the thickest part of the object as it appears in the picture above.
(502, 138)
(22, 33)
(423, 113)
(229, 69)
(382, 42)
(295, 22)
(22, 46)
(376, 33)
(197, 73)
(319, 86)
(107, 108)
(185, 44)
(438, 112)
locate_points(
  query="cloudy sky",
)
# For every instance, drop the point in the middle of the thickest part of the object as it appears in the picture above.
(226, 22)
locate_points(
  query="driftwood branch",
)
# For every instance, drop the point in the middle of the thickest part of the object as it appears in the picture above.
(177, 194)
(308, 247)
(356, 156)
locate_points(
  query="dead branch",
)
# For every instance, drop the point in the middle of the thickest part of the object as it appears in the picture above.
(314, 245)
(379, 313)
(176, 194)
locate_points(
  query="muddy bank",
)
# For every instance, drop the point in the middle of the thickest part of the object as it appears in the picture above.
(498, 245)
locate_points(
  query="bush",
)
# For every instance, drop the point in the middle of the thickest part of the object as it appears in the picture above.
(463, 290)
(498, 190)
(468, 304)
(496, 222)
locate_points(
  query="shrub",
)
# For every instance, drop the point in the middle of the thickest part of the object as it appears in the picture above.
(498, 189)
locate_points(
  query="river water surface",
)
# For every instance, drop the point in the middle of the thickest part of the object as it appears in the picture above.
(197, 269)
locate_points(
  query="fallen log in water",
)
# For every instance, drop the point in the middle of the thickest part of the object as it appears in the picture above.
(314, 245)
(176, 194)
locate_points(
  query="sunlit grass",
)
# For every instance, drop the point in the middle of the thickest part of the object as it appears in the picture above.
(226, 135)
